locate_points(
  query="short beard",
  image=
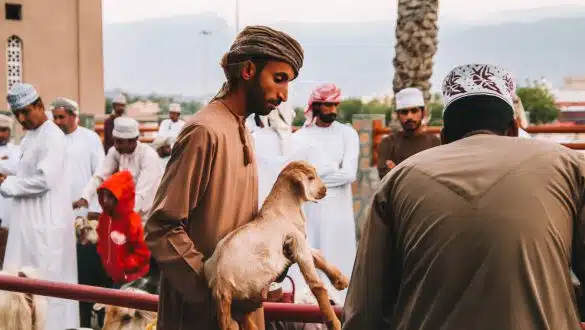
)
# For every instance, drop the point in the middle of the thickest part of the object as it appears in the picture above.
(255, 102)
(408, 129)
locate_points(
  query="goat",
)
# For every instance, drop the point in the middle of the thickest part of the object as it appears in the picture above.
(251, 257)
(22, 311)
(122, 318)
(86, 231)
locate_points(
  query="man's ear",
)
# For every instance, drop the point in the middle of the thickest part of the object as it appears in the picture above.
(512, 129)
(248, 70)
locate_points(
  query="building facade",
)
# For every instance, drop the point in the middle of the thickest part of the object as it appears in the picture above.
(57, 46)
(570, 99)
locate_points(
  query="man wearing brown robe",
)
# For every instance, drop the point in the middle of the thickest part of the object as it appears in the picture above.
(478, 233)
(210, 184)
(396, 147)
(118, 109)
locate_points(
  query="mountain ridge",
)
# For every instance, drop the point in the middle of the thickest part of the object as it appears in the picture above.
(171, 56)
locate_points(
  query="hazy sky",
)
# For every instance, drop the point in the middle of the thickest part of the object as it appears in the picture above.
(268, 11)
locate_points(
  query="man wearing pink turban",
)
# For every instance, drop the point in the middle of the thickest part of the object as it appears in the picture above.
(323, 104)
(333, 149)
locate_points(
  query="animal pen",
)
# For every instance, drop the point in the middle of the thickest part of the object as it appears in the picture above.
(148, 302)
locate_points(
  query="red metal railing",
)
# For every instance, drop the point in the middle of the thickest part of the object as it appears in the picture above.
(148, 302)
(379, 132)
(272, 311)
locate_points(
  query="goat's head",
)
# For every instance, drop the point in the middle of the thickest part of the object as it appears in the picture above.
(304, 177)
(122, 318)
(86, 231)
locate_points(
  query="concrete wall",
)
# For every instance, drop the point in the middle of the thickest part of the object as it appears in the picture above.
(91, 62)
(367, 179)
(62, 50)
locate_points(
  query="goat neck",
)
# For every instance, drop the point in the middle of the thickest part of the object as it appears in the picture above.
(284, 201)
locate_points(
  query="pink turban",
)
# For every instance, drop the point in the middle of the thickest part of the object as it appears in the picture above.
(326, 93)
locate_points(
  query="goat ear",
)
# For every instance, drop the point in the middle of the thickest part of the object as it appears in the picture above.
(304, 186)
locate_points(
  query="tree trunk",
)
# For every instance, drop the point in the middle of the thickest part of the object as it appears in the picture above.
(416, 44)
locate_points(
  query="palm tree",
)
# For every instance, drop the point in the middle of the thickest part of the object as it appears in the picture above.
(416, 44)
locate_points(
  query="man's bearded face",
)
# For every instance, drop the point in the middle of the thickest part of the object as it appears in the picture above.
(32, 116)
(268, 87)
(64, 119)
(326, 112)
(4, 135)
(125, 146)
(174, 116)
(119, 109)
(164, 151)
(410, 119)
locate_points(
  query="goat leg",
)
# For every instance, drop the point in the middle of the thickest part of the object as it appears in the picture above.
(249, 322)
(337, 278)
(224, 312)
(307, 267)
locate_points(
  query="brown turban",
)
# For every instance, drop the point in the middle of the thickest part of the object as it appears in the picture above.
(260, 42)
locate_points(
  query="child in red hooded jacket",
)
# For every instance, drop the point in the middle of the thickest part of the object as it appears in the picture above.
(121, 245)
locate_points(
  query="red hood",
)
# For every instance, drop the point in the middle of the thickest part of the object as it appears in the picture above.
(121, 184)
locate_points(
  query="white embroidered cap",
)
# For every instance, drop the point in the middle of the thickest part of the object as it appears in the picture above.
(21, 95)
(409, 98)
(5, 121)
(175, 107)
(67, 104)
(119, 99)
(125, 128)
(478, 79)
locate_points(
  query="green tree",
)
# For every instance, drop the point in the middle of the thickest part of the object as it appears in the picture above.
(347, 108)
(299, 119)
(435, 108)
(109, 107)
(189, 108)
(539, 103)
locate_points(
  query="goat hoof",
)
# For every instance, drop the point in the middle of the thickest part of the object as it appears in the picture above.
(334, 325)
(341, 283)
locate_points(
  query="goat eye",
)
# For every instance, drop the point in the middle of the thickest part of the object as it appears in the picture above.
(126, 318)
(311, 178)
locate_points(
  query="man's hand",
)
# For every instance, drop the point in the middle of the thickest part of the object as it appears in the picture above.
(2, 178)
(4, 158)
(80, 203)
(390, 164)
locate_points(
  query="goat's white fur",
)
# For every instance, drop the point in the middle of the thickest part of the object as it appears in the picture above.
(15, 311)
(248, 259)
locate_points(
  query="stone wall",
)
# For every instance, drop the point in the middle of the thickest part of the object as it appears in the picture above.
(367, 176)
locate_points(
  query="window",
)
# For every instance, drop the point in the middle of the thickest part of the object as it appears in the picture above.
(13, 11)
(13, 61)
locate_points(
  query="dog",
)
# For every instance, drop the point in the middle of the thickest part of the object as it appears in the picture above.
(86, 231)
(123, 318)
(251, 257)
(22, 311)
